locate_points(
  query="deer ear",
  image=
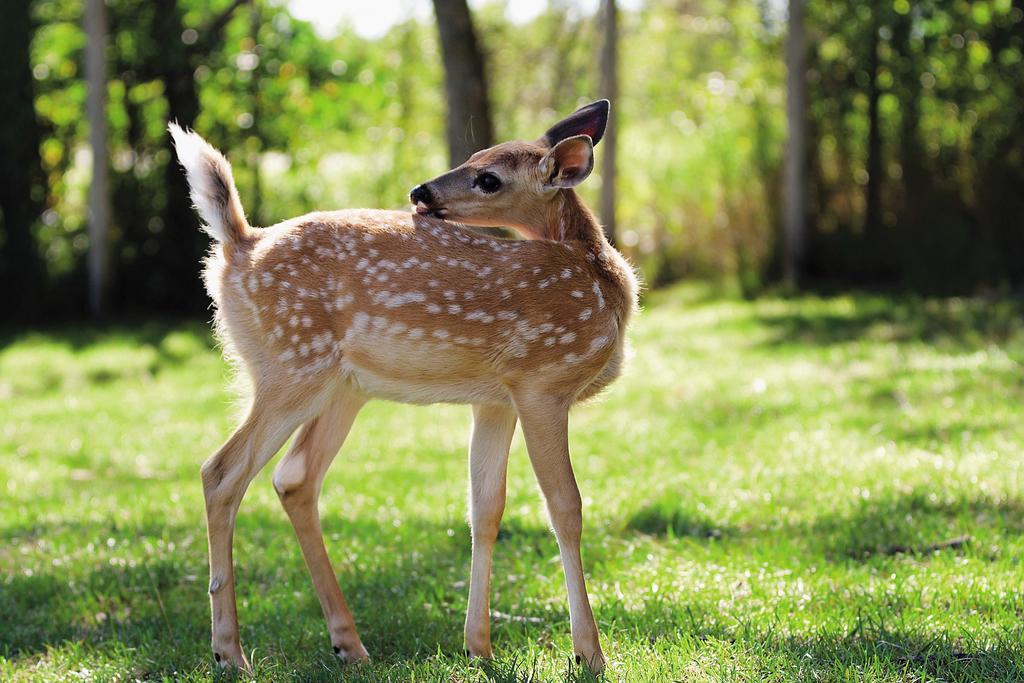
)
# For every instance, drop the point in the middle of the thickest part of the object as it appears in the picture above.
(569, 162)
(589, 120)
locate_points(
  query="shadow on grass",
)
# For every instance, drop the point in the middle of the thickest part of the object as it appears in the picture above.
(919, 522)
(865, 649)
(408, 599)
(962, 322)
(409, 604)
(665, 517)
(164, 336)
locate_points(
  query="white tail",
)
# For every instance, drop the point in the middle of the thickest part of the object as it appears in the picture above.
(212, 187)
(332, 309)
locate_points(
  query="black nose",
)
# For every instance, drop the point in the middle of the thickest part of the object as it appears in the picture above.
(421, 193)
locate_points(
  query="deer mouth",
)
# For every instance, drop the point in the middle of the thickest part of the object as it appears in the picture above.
(434, 212)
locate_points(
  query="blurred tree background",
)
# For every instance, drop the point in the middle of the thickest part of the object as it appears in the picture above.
(913, 130)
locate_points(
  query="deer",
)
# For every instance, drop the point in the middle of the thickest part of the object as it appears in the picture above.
(331, 309)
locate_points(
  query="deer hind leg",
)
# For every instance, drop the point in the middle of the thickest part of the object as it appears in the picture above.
(493, 426)
(226, 476)
(545, 428)
(297, 479)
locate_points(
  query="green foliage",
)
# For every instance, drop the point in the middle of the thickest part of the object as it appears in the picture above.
(767, 492)
(950, 120)
(315, 123)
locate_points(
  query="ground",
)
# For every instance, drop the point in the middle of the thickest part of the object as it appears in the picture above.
(790, 489)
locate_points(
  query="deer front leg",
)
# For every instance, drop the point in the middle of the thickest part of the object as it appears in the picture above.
(493, 426)
(226, 476)
(545, 423)
(298, 479)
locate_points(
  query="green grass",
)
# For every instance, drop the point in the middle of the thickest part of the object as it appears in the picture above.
(766, 495)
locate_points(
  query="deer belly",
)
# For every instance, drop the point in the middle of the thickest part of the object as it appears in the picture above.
(422, 374)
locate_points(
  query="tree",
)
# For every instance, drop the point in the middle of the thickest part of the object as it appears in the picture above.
(796, 148)
(159, 269)
(609, 90)
(20, 172)
(469, 126)
(873, 187)
(99, 187)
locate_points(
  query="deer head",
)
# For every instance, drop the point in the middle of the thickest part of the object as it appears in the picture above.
(516, 183)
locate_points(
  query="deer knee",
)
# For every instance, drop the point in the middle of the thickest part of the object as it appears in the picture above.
(566, 512)
(218, 477)
(486, 519)
(485, 528)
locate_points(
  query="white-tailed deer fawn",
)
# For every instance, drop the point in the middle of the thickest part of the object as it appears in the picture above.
(330, 309)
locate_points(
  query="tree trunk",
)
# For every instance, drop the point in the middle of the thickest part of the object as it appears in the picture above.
(177, 285)
(609, 90)
(795, 221)
(255, 208)
(469, 116)
(872, 199)
(21, 186)
(99, 187)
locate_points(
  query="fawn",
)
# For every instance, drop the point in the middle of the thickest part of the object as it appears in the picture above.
(330, 309)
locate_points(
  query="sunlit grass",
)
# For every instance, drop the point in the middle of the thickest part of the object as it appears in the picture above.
(766, 492)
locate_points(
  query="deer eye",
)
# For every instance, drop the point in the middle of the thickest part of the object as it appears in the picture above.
(488, 182)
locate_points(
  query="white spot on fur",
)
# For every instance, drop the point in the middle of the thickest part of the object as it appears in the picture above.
(342, 301)
(586, 313)
(599, 295)
(482, 316)
(390, 300)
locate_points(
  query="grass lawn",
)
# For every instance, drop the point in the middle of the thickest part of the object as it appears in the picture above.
(775, 491)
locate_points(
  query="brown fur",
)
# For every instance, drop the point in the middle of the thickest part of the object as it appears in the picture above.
(328, 310)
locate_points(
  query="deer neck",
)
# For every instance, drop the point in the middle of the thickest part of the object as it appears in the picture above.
(569, 220)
